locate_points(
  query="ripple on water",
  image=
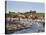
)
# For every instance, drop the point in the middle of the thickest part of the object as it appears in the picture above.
(32, 29)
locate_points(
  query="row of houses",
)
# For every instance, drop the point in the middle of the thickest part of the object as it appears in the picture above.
(20, 16)
(31, 16)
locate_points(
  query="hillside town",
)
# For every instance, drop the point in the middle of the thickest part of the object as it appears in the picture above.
(19, 21)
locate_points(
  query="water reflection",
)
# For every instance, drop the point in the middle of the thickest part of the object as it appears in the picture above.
(36, 27)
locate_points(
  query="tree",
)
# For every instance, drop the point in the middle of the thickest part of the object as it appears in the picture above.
(11, 14)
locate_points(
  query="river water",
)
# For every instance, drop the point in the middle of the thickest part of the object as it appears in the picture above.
(36, 27)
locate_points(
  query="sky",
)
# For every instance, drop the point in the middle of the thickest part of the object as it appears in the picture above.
(17, 6)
